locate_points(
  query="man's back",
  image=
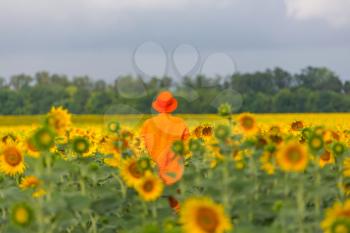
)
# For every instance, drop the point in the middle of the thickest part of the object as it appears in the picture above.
(160, 132)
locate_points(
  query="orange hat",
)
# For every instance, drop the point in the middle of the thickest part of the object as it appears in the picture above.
(165, 102)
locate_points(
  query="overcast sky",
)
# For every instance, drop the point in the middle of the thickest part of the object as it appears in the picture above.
(107, 38)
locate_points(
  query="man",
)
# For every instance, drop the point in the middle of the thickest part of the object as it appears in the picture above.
(159, 134)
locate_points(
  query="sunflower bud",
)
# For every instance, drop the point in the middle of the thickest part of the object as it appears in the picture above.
(22, 215)
(80, 145)
(315, 142)
(338, 149)
(178, 147)
(340, 225)
(44, 138)
(195, 145)
(225, 109)
(144, 164)
(222, 132)
(113, 126)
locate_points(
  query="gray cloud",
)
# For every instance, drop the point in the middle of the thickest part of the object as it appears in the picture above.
(98, 37)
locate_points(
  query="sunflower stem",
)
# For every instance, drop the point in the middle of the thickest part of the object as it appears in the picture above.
(41, 222)
(225, 194)
(48, 161)
(154, 210)
(317, 195)
(93, 224)
(254, 176)
(340, 181)
(123, 188)
(145, 211)
(301, 204)
(284, 220)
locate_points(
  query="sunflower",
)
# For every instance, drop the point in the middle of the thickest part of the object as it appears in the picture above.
(131, 172)
(114, 161)
(225, 109)
(267, 161)
(81, 146)
(297, 125)
(276, 139)
(43, 138)
(150, 187)
(59, 119)
(292, 157)
(8, 138)
(29, 182)
(329, 136)
(198, 131)
(319, 130)
(113, 126)
(11, 160)
(315, 142)
(337, 218)
(178, 147)
(338, 149)
(326, 158)
(39, 193)
(345, 187)
(22, 215)
(222, 132)
(34, 183)
(207, 131)
(30, 148)
(202, 215)
(115, 145)
(144, 163)
(196, 145)
(247, 123)
(275, 130)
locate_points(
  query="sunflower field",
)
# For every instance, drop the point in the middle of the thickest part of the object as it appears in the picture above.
(243, 173)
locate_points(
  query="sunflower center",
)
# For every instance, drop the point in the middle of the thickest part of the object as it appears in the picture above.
(207, 220)
(294, 155)
(113, 127)
(345, 213)
(338, 148)
(148, 186)
(326, 156)
(82, 146)
(45, 138)
(247, 122)
(143, 164)
(57, 123)
(207, 131)
(22, 215)
(12, 156)
(316, 143)
(297, 125)
(135, 171)
(274, 129)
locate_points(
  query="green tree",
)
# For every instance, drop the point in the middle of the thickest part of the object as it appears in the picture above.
(320, 79)
(18, 82)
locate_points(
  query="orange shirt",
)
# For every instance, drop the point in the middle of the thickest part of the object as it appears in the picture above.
(159, 134)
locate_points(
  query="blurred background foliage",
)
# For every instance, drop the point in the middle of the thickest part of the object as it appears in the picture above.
(314, 89)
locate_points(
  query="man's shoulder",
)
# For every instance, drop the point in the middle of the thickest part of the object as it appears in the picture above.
(146, 123)
(161, 118)
(178, 121)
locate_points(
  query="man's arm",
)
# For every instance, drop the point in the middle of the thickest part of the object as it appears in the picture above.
(185, 134)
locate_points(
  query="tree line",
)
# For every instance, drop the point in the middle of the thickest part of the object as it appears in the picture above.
(313, 89)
